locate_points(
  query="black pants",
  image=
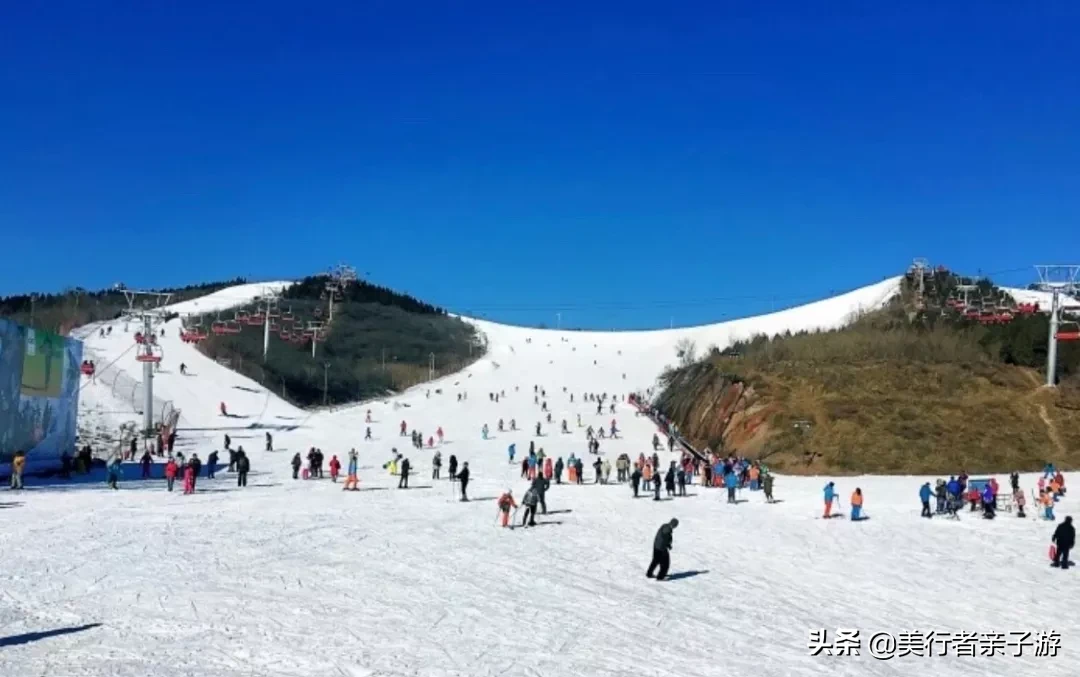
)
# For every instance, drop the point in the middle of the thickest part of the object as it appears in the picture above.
(296, 473)
(731, 495)
(635, 485)
(464, 485)
(543, 504)
(1062, 557)
(169, 482)
(210, 471)
(660, 558)
(194, 477)
(926, 509)
(435, 473)
(241, 479)
(530, 516)
(403, 483)
(682, 489)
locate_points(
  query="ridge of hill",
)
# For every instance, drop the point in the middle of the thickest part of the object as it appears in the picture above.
(354, 342)
(918, 386)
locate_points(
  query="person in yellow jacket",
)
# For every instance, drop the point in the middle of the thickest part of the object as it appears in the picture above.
(856, 505)
(18, 464)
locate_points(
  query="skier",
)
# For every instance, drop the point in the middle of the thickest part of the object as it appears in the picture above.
(547, 469)
(403, 428)
(367, 435)
(538, 428)
(243, 467)
(367, 419)
(506, 501)
(680, 477)
(211, 464)
(183, 369)
(1064, 538)
(351, 480)
(856, 505)
(510, 451)
(436, 465)
(224, 409)
(635, 479)
(500, 425)
(484, 431)
(403, 483)
(439, 434)
(269, 442)
(655, 442)
(170, 473)
(924, 495)
(296, 463)
(463, 478)
(656, 485)
(115, 471)
(189, 479)
(598, 469)
(767, 485)
(661, 545)
(453, 467)
(513, 425)
(565, 429)
(558, 470)
(830, 496)
(228, 444)
(731, 482)
(529, 502)
(335, 468)
(669, 480)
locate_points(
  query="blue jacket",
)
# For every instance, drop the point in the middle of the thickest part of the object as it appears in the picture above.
(352, 466)
(830, 493)
(511, 450)
(925, 493)
(988, 494)
(953, 487)
(731, 480)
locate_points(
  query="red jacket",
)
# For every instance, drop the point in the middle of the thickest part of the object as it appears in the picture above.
(170, 469)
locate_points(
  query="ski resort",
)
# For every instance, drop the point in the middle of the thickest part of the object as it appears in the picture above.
(388, 537)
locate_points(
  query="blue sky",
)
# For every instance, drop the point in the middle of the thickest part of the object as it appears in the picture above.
(630, 164)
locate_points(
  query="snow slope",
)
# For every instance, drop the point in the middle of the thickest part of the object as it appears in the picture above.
(298, 578)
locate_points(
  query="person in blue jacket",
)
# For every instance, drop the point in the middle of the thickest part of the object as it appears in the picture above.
(989, 500)
(511, 450)
(115, 472)
(954, 489)
(830, 496)
(924, 495)
(1049, 471)
(731, 481)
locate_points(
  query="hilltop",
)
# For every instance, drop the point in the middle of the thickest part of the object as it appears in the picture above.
(925, 384)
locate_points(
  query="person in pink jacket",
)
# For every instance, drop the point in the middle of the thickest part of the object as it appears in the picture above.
(189, 480)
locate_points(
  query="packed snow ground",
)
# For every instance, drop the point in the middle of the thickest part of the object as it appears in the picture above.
(298, 578)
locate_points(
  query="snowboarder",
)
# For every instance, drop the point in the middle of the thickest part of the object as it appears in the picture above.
(856, 505)
(662, 543)
(1064, 538)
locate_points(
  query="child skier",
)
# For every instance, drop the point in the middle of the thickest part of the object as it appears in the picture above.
(856, 505)
(506, 502)
(335, 468)
(830, 496)
(352, 480)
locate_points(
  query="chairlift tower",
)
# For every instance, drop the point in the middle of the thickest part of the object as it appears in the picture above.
(267, 305)
(1057, 279)
(148, 309)
(920, 268)
(340, 276)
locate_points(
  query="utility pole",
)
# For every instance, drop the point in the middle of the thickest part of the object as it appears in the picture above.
(150, 315)
(431, 368)
(326, 378)
(1057, 279)
(384, 358)
(33, 301)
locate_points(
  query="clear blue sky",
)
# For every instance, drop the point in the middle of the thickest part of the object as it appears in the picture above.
(625, 162)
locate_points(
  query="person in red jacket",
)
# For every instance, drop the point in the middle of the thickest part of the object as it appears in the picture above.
(506, 501)
(335, 468)
(170, 473)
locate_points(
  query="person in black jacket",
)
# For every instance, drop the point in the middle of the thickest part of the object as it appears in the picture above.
(242, 468)
(403, 470)
(669, 480)
(635, 479)
(661, 546)
(453, 467)
(296, 463)
(1065, 539)
(463, 477)
(540, 486)
(211, 464)
(196, 468)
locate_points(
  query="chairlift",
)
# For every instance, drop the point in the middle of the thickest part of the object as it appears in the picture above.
(1068, 331)
(287, 316)
(232, 327)
(256, 320)
(218, 327)
(242, 316)
(152, 356)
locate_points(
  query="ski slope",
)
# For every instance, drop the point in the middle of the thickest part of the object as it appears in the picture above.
(297, 578)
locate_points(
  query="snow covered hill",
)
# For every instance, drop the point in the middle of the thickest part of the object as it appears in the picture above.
(292, 577)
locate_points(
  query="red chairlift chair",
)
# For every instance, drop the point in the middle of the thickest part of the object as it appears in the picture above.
(1068, 331)
(219, 328)
(232, 327)
(153, 357)
(256, 320)
(242, 316)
